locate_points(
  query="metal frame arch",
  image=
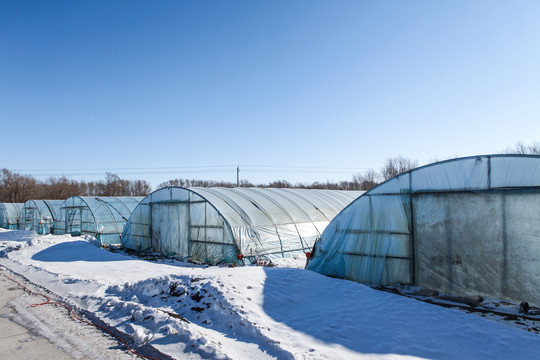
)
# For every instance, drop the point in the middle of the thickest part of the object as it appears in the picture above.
(83, 200)
(282, 208)
(233, 206)
(146, 201)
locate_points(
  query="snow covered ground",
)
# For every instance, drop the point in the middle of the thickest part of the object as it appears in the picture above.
(191, 312)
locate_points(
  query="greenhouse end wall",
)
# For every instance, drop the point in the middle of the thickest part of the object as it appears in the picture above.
(466, 226)
(479, 243)
(99, 216)
(39, 215)
(10, 214)
(178, 222)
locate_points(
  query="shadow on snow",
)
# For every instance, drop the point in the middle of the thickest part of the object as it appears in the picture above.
(77, 251)
(368, 321)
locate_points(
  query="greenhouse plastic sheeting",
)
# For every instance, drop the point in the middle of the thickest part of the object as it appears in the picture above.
(10, 215)
(467, 226)
(102, 217)
(39, 215)
(216, 224)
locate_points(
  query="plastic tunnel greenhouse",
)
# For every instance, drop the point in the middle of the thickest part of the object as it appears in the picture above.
(39, 215)
(216, 225)
(102, 217)
(10, 215)
(468, 226)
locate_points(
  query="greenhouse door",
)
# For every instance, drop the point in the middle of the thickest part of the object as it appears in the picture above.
(170, 228)
(73, 221)
(28, 219)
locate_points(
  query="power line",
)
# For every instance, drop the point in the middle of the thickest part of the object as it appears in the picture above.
(132, 173)
(306, 167)
(291, 171)
(199, 168)
(192, 170)
(132, 168)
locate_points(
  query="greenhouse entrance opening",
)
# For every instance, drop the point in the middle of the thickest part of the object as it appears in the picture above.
(170, 228)
(28, 218)
(39, 215)
(73, 221)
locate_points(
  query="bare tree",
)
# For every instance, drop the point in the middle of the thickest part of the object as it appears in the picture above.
(367, 180)
(91, 189)
(523, 149)
(111, 186)
(59, 188)
(175, 182)
(243, 183)
(202, 183)
(279, 184)
(115, 186)
(17, 188)
(20, 188)
(396, 166)
(139, 188)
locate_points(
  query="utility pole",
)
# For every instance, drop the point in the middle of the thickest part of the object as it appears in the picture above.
(238, 176)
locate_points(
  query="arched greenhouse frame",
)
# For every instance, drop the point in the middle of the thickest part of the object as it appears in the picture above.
(39, 215)
(101, 217)
(215, 225)
(467, 226)
(10, 215)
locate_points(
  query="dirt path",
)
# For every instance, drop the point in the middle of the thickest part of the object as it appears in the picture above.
(16, 341)
(47, 332)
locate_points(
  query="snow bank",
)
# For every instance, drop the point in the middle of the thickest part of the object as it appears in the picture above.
(253, 312)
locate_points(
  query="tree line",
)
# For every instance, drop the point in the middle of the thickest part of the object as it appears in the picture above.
(19, 188)
(522, 149)
(359, 181)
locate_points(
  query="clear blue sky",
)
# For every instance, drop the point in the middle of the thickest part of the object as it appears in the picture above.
(200, 86)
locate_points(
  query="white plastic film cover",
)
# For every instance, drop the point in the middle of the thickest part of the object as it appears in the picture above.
(467, 174)
(96, 216)
(39, 215)
(465, 226)
(10, 215)
(515, 171)
(232, 221)
(395, 185)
